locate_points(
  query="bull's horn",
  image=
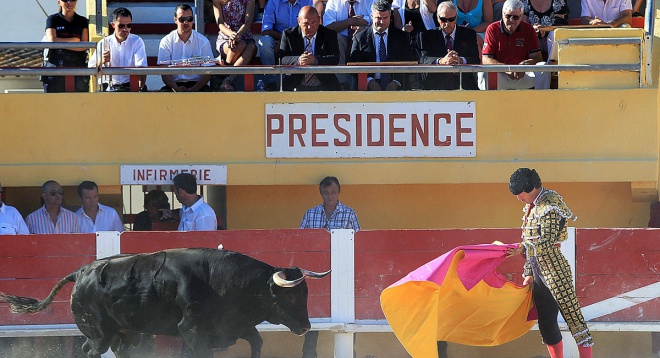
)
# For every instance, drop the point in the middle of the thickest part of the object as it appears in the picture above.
(312, 274)
(280, 279)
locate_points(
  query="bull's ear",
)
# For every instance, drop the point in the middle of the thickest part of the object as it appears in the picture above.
(312, 274)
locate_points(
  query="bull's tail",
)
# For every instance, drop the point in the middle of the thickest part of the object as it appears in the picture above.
(18, 304)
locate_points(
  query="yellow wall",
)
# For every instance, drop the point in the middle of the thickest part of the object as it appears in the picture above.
(431, 206)
(572, 136)
(592, 145)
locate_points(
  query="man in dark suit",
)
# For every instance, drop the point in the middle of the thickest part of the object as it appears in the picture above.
(449, 45)
(382, 43)
(309, 44)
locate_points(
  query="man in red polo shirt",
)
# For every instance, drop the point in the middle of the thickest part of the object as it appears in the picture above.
(512, 41)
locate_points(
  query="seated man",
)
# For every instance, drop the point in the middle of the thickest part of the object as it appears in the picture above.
(382, 43)
(94, 216)
(121, 49)
(184, 43)
(309, 44)
(449, 45)
(278, 16)
(52, 217)
(615, 13)
(11, 221)
(346, 17)
(513, 42)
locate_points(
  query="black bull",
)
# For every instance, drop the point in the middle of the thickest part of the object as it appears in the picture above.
(209, 297)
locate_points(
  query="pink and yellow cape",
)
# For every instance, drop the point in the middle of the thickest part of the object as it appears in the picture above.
(458, 297)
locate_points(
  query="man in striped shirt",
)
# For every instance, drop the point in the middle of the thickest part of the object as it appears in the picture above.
(332, 214)
(52, 218)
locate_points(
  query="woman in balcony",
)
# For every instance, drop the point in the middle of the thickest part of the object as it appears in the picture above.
(235, 43)
(542, 13)
(66, 26)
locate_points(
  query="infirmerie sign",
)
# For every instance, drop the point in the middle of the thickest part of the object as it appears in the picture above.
(371, 130)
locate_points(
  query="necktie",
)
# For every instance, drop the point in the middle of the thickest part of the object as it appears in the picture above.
(351, 13)
(382, 53)
(449, 43)
(310, 78)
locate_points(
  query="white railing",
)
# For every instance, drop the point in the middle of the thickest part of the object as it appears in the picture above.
(286, 70)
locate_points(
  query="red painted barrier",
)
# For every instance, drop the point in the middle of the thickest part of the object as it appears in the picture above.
(383, 257)
(610, 262)
(30, 265)
(309, 249)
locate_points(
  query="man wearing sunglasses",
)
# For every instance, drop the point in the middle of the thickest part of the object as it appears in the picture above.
(52, 218)
(121, 49)
(512, 41)
(449, 45)
(181, 44)
(11, 221)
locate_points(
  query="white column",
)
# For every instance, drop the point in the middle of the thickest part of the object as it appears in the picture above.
(107, 244)
(342, 283)
(568, 249)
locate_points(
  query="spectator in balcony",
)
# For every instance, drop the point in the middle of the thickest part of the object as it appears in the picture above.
(66, 26)
(382, 43)
(475, 15)
(180, 44)
(415, 17)
(52, 218)
(11, 221)
(449, 45)
(639, 8)
(93, 216)
(195, 214)
(346, 18)
(513, 42)
(545, 13)
(155, 202)
(309, 44)
(121, 49)
(331, 214)
(279, 15)
(235, 43)
(613, 13)
(544, 229)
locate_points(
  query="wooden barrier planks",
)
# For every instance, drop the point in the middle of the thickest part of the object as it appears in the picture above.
(615, 262)
(309, 249)
(382, 257)
(31, 265)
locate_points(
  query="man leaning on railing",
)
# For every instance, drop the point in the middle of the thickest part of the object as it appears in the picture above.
(121, 49)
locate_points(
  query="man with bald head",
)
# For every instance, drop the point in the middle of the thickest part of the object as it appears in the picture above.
(449, 45)
(309, 44)
(52, 218)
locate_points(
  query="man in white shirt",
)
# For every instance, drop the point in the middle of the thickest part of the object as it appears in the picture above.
(93, 216)
(184, 43)
(196, 215)
(121, 49)
(346, 17)
(11, 221)
(614, 13)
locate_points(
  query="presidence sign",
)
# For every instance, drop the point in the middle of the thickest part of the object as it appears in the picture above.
(371, 130)
(163, 174)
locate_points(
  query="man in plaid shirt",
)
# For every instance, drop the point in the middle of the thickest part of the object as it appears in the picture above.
(332, 214)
